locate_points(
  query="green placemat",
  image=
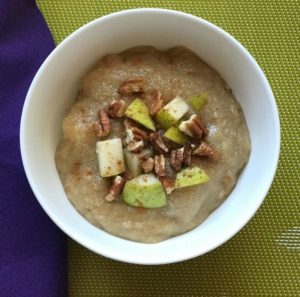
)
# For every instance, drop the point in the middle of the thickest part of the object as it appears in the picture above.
(263, 259)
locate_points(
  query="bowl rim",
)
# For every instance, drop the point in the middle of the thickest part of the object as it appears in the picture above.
(118, 256)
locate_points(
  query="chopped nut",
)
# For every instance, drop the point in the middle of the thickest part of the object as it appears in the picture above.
(139, 132)
(160, 165)
(131, 86)
(181, 157)
(130, 137)
(116, 109)
(147, 164)
(103, 127)
(187, 154)
(159, 143)
(134, 137)
(135, 131)
(156, 102)
(200, 124)
(135, 146)
(176, 158)
(168, 183)
(115, 189)
(205, 150)
(193, 127)
(156, 106)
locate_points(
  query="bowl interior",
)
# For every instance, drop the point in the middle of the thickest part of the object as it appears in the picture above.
(53, 92)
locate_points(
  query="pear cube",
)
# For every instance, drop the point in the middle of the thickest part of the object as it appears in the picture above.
(144, 191)
(139, 112)
(198, 101)
(190, 177)
(172, 112)
(175, 135)
(110, 157)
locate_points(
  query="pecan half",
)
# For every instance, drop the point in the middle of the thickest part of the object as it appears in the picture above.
(135, 139)
(168, 184)
(116, 109)
(135, 146)
(103, 127)
(115, 189)
(181, 157)
(136, 131)
(160, 165)
(131, 86)
(147, 164)
(187, 154)
(176, 158)
(141, 133)
(156, 102)
(159, 143)
(194, 127)
(205, 150)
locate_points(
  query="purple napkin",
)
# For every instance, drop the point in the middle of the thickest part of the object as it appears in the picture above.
(33, 260)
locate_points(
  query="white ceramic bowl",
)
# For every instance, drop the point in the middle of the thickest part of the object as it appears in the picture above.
(53, 91)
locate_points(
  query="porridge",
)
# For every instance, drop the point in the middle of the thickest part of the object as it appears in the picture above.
(153, 144)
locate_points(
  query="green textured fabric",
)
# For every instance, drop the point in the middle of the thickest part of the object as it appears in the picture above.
(263, 259)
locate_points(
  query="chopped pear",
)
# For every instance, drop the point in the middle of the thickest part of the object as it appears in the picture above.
(184, 127)
(190, 177)
(144, 191)
(138, 111)
(171, 113)
(175, 135)
(110, 157)
(198, 101)
(133, 163)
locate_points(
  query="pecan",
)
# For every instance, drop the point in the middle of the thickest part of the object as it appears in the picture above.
(134, 139)
(205, 150)
(116, 109)
(135, 146)
(103, 127)
(115, 189)
(153, 100)
(135, 130)
(194, 127)
(156, 102)
(181, 157)
(130, 137)
(176, 159)
(131, 86)
(147, 164)
(158, 143)
(139, 132)
(168, 184)
(160, 165)
(187, 154)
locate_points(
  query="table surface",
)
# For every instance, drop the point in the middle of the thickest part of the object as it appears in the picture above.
(263, 259)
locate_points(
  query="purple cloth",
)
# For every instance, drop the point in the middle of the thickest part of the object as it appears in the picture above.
(33, 259)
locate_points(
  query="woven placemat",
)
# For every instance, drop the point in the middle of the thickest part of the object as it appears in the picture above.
(263, 259)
